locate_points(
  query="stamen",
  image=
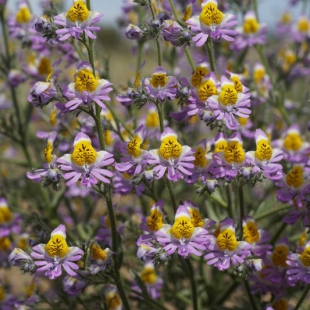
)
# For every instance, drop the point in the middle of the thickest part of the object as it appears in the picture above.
(170, 147)
(263, 150)
(134, 146)
(85, 81)
(200, 158)
(84, 153)
(206, 90)
(279, 255)
(211, 15)
(159, 79)
(182, 227)
(234, 152)
(226, 240)
(57, 246)
(78, 12)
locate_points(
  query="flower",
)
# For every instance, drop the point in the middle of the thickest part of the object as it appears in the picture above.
(230, 101)
(266, 157)
(87, 88)
(73, 286)
(86, 163)
(298, 266)
(112, 298)
(250, 34)
(9, 223)
(171, 156)
(211, 22)
(54, 255)
(223, 247)
(77, 20)
(161, 87)
(183, 235)
(99, 259)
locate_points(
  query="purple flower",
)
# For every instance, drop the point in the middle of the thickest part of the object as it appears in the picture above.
(99, 259)
(87, 88)
(266, 157)
(42, 93)
(250, 34)
(298, 266)
(73, 286)
(230, 101)
(161, 87)
(183, 235)
(133, 32)
(9, 223)
(76, 20)
(171, 156)
(211, 22)
(223, 247)
(56, 254)
(85, 163)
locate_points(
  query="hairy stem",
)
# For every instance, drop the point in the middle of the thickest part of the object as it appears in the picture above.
(303, 296)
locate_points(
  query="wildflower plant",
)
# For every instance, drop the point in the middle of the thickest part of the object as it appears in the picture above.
(152, 185)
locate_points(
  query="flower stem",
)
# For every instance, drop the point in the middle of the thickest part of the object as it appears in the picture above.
(255, 9)
(229, 201)
(241, 206)
(278, 233)
(174, 12)
(189, 58)
(172, 195)
(193, 283)
(161, 117)
(303, 296)
(251, 297)
(211, 54)
(267, 214)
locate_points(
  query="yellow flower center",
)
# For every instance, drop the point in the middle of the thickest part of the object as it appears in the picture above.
(113, 300)
(220, 146)
(263, 150)
(206, 90)
(182, 227)
(243, 120)
(226, 240)
(211, 15)
(5, 243)
(292, 142)
(148, 275)
(45, 66)
(108, 137)
(196, 218)
(303, 25)
(159, 79)
(302, 239)
(23, 15)
(279, 255)
(57, 246)
(286, 18)
(250, 233)
(199, 74)
(187, 13)
(228, 95)
(280, 305)
(48, 152)
(78, 12)
(155, 220)
(5, 215)
(259, 75)
(84, 153)
(2, 295)
(152, 120)
(238, 84)
(22, 243)
(85, 81)
(200, 158)
(234, 152)
(98, 253)
(305, 257)
(170, 147)
(134, 146)
(290, 58)
(53, 118)
(295, 177)
(250, 25)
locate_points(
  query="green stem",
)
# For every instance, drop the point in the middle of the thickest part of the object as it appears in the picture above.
(172, 195)
(225, 295)
(251, 297)
(229, 201)
(241, 206)
(255, 10)
(189, 58)
(160, 116)
(115, 249)
(264, 60)
(303, 296)
(211, 54)
(149, 300)
(174, 12)
(267, 214)
(193, 283)
(278, 233)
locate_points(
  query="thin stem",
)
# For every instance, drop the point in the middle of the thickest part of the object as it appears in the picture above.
(174, 12)
(250, 296)
(278, 233)
(303, 296)
(211, 54)
(115, 249)
(160, 116)
(267, 214)
(229, 201)
(241, 206)
(225, 294)
(193, 283)
(255, 10)
(172, 195)
(189, 58)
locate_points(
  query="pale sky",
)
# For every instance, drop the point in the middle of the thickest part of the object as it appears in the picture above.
(269, 10)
